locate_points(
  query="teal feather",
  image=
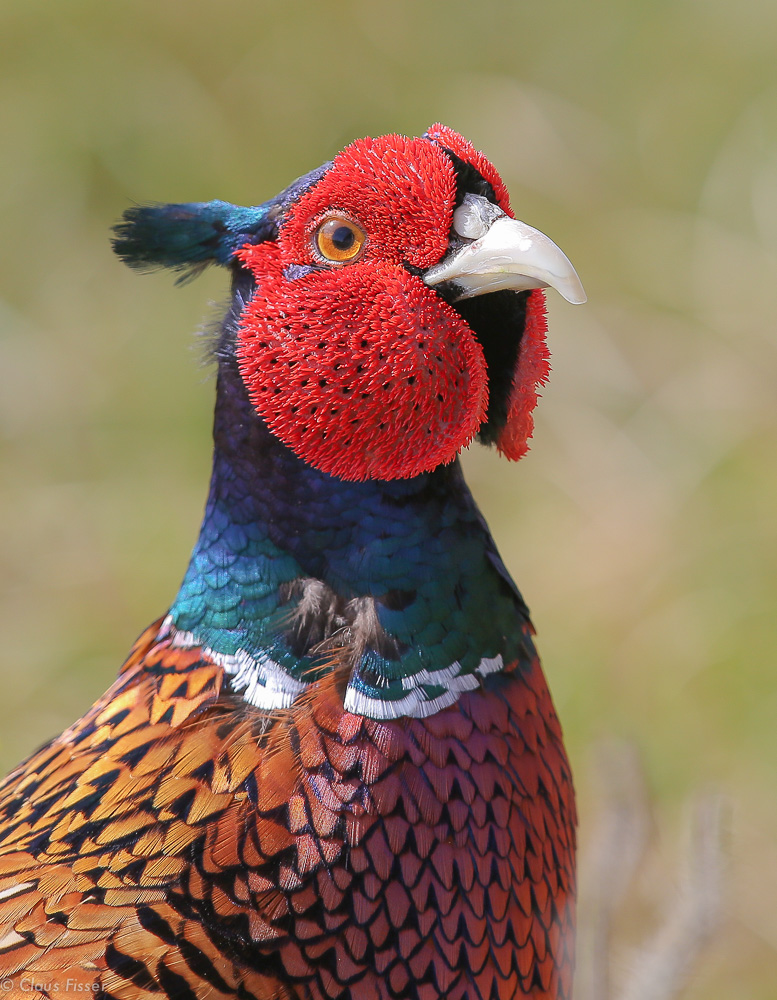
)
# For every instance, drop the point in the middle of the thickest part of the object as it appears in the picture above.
(188, 237)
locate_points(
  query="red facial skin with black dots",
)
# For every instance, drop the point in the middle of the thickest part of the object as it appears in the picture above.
(360, 368)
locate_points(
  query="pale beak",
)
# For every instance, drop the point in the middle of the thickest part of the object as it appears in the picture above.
(503, 254)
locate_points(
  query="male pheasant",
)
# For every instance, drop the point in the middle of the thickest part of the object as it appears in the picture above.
(333, 769)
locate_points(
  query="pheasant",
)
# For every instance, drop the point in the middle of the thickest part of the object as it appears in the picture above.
(333, 769)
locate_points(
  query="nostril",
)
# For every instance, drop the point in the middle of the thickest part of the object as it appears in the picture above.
(474, 216)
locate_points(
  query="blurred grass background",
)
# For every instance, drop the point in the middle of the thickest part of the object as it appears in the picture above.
(642, 525)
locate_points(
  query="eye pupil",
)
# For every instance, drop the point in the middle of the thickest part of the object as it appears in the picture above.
(343, 238)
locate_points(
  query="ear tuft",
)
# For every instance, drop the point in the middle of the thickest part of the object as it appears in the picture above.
(188, 237)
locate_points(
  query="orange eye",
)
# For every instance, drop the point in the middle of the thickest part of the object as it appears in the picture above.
(340, 240)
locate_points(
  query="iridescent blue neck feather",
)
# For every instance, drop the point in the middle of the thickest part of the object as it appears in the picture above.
(295, 572)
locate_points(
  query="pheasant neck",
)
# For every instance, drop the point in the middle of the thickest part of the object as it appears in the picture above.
(291, 563)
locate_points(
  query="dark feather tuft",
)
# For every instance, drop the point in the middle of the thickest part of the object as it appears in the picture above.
(190, 236)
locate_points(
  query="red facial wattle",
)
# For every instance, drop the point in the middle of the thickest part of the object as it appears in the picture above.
(358, 366)
(531, 372)
(363, 371)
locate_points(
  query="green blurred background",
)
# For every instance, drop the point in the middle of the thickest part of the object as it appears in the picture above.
(642, 525)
